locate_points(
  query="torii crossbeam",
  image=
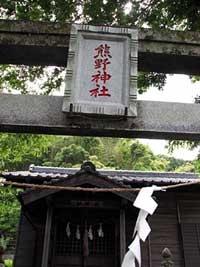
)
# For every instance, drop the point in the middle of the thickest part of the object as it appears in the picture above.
(41, 43)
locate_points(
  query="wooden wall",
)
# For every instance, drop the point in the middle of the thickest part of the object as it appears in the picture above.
(25, 251)
(166, 231)
(175, 225)
(189, 217)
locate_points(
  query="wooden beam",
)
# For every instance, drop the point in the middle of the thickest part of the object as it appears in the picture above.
(43, 115)
(46, 43)
(75, 181)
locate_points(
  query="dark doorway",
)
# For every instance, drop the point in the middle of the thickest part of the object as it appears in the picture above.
(85, 237)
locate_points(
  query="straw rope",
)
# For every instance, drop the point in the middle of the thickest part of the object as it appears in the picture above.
(84, 189)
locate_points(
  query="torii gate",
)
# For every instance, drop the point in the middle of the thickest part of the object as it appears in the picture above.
(45, 43)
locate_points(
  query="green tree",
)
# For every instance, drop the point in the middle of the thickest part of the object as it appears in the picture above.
(18, 151)
(93, 145)
(144, 159)
(82, 147)
(173, 163)
(71, 155)
(9, 213)
(133, 155)
(170, 14)
(187, 167)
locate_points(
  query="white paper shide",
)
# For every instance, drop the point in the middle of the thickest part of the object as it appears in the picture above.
(147, 205)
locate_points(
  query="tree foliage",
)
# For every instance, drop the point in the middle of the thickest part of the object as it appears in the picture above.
(106, 153)
(9, 214)
(170, 14)
(71, 155)
(18, 151)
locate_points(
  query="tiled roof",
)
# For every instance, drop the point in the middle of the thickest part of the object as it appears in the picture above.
(39, 174)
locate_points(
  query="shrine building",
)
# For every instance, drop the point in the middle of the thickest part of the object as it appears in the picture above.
(61, 228)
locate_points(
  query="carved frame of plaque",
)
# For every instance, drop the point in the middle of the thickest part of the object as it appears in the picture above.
(123, 104)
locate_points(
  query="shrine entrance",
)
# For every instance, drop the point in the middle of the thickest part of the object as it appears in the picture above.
(85, 238)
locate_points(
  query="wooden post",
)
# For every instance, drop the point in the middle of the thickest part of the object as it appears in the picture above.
(46, 244)
(122, 234)
(167, 258)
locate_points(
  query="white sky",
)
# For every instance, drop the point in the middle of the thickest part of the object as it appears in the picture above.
(178, 88)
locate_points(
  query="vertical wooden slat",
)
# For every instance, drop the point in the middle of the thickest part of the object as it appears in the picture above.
(179, 229)
(54, 243)
(47, 235)
(149, 251)
(122, 234)
(116, 246)
(190, 243)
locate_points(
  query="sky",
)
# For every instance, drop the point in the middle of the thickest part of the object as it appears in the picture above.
(178, 88)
